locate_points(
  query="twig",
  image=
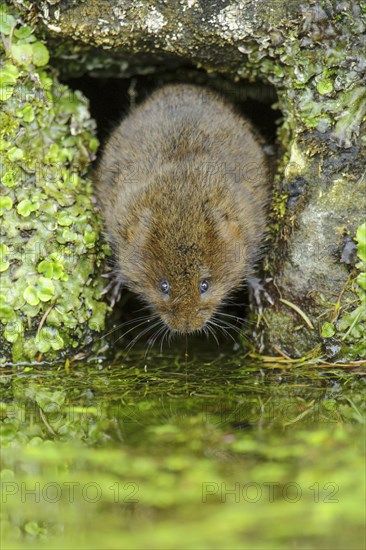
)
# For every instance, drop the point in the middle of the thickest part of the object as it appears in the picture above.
(299, 311)
(42, 322)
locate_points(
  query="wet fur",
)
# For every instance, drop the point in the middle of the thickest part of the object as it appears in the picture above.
(181, 202)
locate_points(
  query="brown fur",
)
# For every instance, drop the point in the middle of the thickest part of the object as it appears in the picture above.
(183, 186)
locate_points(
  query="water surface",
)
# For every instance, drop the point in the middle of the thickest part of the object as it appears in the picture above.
(213, 450)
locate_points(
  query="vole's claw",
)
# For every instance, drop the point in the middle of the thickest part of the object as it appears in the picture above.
(114, 287)
(116, 293)
(257, 289)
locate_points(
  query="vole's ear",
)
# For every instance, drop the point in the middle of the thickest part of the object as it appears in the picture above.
(137, 227)
(227, 226)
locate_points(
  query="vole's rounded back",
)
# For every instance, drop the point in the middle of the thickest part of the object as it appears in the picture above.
(183, 186)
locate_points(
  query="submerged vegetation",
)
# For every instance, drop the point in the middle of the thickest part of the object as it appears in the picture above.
(204, 452)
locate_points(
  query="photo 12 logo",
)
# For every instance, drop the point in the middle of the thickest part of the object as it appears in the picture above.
(271, 491)
(69, 491)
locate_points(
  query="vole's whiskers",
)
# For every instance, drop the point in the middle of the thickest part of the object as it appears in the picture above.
(136, 326)
(154, 337)
(164, 335)
(227, 325)
(145, 306)
(171, 334)
(212, 331)
(141, 333)
(218, 324)
(146, 318)
(232, 301)
(236, 317)
(224, 323)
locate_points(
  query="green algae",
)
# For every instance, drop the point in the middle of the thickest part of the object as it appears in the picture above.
(50, 255)
(320, 86)
(208, 452)
(347, 331)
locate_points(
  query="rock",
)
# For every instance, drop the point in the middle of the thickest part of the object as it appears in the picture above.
(314, 55)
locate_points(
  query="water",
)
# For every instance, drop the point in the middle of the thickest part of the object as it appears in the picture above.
(215, 450)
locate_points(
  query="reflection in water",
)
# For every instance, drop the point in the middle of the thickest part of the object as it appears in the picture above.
(137, 454)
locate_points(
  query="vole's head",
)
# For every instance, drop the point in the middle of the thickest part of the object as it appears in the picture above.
(183, 257)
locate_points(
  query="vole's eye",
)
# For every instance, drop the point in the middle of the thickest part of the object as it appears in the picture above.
(164, 286)
(204, 286)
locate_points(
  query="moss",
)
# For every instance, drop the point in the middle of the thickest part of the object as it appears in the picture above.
(345, 332)
(306, 54)
(50, 251)
(322, 95)
(316, 85)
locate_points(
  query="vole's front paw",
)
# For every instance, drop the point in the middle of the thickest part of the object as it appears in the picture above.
(114, 287)
(258, 291)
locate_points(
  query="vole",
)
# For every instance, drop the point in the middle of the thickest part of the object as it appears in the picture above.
(183, 187)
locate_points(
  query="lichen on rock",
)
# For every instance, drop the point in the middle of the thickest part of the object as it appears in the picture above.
(50, 246)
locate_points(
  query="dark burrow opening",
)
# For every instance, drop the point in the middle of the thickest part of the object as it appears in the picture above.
(112, 98)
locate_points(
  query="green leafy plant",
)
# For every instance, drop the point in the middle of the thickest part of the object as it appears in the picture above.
(50, 246)
(350, 328)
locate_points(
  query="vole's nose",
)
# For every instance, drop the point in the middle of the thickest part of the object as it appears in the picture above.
(187, 324)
